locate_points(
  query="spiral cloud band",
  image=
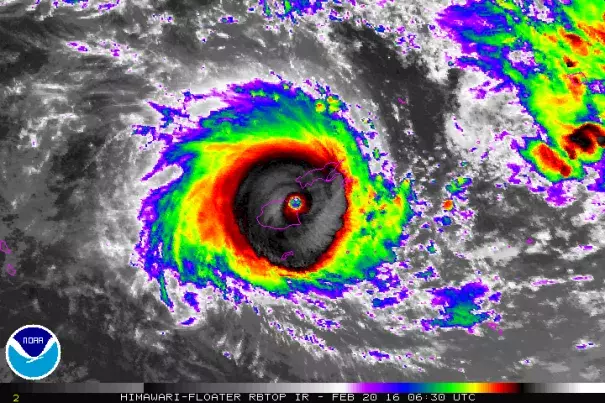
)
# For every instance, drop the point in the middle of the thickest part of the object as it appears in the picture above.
(275, 194)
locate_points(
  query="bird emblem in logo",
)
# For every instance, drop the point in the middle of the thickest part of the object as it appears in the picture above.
(33, 352)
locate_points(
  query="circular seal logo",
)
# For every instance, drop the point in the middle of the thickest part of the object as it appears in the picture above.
(33, 352)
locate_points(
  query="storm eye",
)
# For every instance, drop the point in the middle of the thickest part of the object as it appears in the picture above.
(295, 206)
(295, 203)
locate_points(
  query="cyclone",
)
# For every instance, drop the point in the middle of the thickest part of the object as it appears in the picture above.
(275, 193)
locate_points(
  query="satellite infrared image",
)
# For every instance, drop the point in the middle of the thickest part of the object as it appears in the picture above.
(301, 192)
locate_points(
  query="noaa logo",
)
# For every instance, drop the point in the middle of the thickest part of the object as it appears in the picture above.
(33, 352)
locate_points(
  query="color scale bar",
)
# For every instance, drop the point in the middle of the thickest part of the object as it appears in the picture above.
(320, 388)
(565, 387)
(438, 387)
